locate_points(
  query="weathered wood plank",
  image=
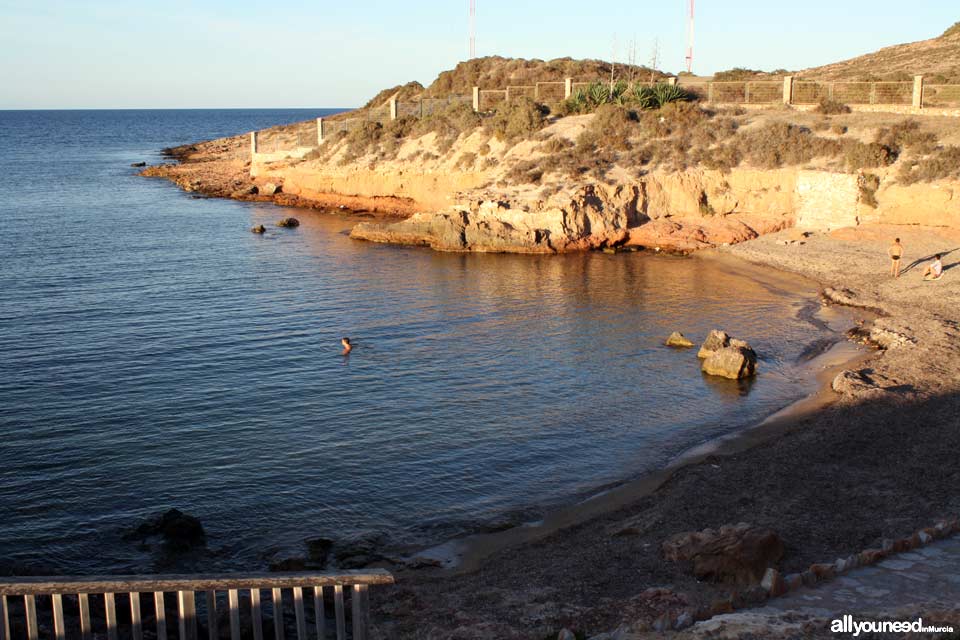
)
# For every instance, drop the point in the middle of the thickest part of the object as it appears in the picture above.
(298, 610)
(356, 606)
(4, 619)
(277, 613)
(161, 613)
(45, 585)
(255, 617)
(136, 628)
(338, 609)
(57, 603)
(233, 601)
(212, 630)
(30, 612)
(86, 630)
(187, 607)
(320, 617)
(110, 610)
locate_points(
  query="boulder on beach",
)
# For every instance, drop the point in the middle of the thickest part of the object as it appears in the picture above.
(677, 339)
(739, 553)
(289, 223)
(268, 189)
(258, 229)
(715, 341)
(179, 531)
(734, 362)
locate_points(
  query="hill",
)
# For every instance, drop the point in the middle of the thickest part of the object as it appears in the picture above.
(937, 58)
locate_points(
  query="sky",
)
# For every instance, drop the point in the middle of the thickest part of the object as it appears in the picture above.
(56, 54)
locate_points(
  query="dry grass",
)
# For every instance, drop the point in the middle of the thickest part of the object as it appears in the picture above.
(831, 107)
(944, 163)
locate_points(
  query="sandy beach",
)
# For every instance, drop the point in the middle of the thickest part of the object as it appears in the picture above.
(876, 462)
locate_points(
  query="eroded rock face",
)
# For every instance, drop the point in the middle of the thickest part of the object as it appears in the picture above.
(739, 553)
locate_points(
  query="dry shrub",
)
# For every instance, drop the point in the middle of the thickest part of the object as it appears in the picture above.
(361, 140)
(448, 124)
(612, 126)
(779, 143)
(857, 155)
(723, 158)
(466, 161)
(525, 172)
(838, 129)
(555, 145)
(907, 134)
(944, 163)
(830, 107)
(517, 120)
(868, 184)
(821, 125)
(484, 148)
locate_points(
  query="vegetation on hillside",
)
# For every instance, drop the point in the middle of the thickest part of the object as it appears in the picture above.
(495, 72)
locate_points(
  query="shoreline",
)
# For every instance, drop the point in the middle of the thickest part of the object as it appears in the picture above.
(468, 552)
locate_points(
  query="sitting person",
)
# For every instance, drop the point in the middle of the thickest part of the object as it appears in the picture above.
(934, 270)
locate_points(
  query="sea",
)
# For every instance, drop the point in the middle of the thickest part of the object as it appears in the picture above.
(155, 354)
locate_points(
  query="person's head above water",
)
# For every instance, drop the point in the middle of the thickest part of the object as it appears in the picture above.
(897, 240)
(345, 341)
(936, 257)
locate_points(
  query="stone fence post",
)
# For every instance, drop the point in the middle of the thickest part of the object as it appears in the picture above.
(567, 88)
(476, 98)
(319, 131)
(918, 92)
(393, 108)
(788, 90)
(253, 143)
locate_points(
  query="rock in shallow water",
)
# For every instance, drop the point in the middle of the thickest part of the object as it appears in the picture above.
(289, 223)
(715, 341)
(733, 362)
(677, 339)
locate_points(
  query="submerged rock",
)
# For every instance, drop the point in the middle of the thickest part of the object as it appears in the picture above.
(138, 164)
(179, 531)
(258, 229)
(289, 223)
(677, 339)
(736, 553)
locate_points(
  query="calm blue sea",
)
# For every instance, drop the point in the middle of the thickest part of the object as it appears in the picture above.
(156, 354)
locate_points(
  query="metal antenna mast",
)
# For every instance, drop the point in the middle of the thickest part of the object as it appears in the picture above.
(473, 29)
(690, 39)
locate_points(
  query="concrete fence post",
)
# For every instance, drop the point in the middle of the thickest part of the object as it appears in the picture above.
(672, 81)
(788, 90)
(319, 131)
(918, 92)
(567, 88)
(253, 143)
(393, 108)
(476, 98)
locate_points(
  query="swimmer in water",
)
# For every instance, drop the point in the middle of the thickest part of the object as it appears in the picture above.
(347, 347)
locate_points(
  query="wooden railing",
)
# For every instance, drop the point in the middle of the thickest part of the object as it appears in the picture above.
(68, 601)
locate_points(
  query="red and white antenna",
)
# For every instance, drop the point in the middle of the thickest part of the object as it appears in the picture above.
(473, 29)
(690, 39)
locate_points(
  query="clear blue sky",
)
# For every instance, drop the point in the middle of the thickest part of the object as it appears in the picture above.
(294, 53)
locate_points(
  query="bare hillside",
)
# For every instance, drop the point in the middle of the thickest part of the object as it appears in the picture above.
(938, 58)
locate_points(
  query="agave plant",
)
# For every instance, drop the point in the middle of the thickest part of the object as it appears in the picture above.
(662, 93)
(642, 95)
(599, 93)
(578, 102)
(618, 92)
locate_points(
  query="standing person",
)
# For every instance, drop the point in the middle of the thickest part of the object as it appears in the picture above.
(895, 252)
(934, 270)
